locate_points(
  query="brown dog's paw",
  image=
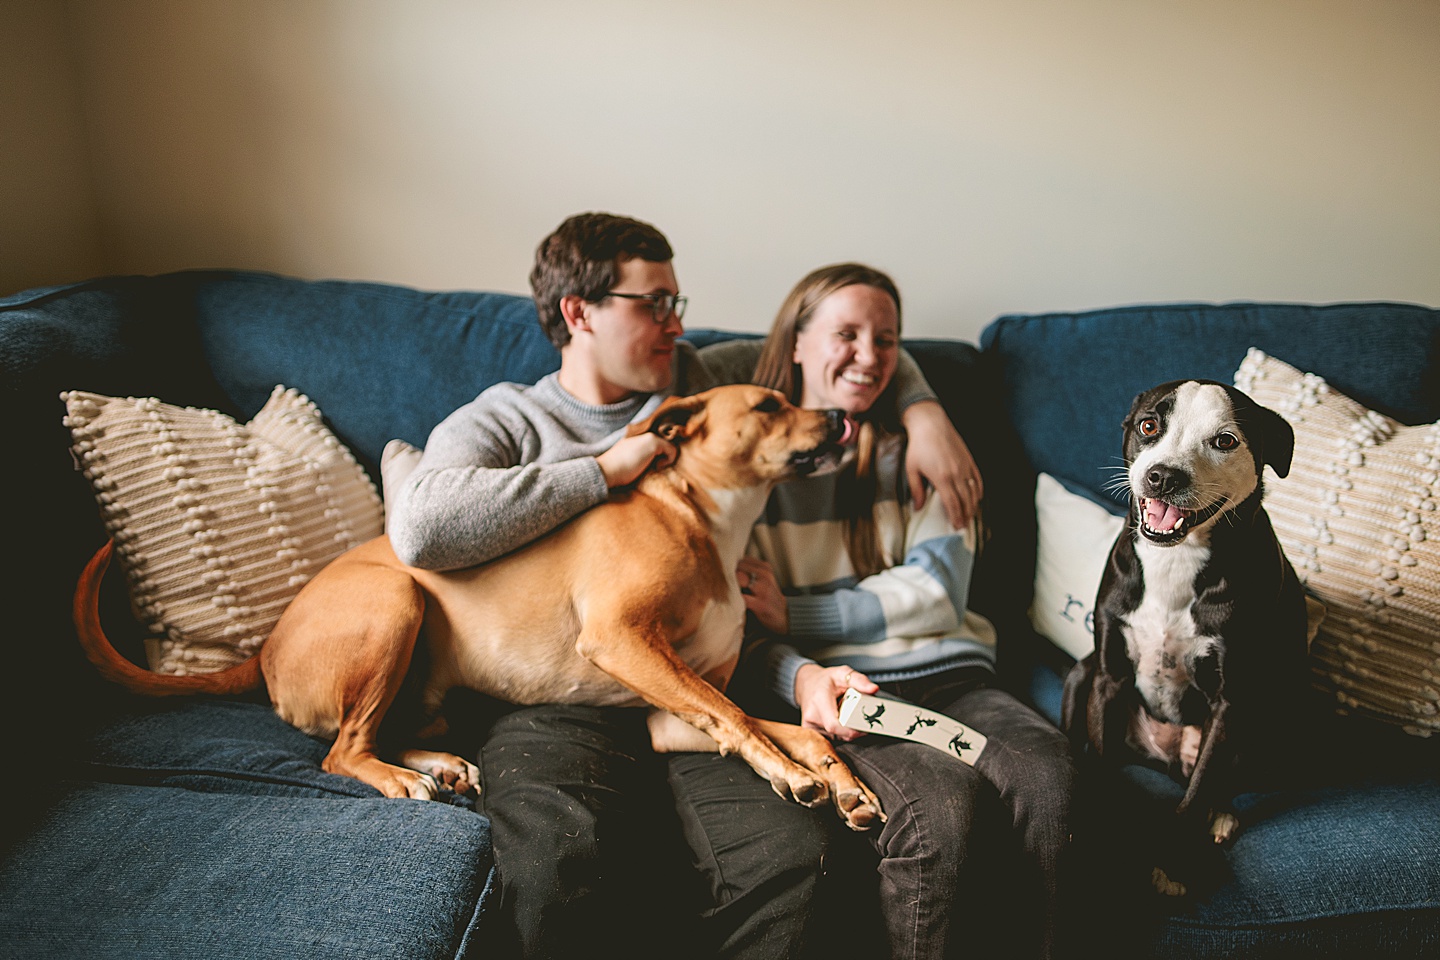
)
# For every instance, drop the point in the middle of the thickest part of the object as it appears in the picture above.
(803, 789)
(443, 770)
(397, 783)
(859, 808)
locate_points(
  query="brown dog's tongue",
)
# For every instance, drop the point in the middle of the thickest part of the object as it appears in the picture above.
(851, 429)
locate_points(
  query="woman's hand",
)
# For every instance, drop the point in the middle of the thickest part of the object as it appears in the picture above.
(818, 691)
(937, 453)
(762, 594)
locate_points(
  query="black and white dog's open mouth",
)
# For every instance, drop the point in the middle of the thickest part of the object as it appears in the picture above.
(1163, 522)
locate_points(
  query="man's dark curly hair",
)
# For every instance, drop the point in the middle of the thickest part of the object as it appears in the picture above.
(582, 258)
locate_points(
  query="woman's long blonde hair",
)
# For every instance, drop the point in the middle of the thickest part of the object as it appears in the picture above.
(856, 486)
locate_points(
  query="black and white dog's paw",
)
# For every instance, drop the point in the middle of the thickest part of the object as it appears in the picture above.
(1164, 885)
(1223, 827)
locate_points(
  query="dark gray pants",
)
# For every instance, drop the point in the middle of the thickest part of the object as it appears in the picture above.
(595, 839)
(964, 847)
(765, 862)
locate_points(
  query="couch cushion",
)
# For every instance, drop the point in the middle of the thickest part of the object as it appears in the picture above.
(184, 803)
(1331, 870)
(392, 361)
(119, 870)
(1066, 381)
(219, 746)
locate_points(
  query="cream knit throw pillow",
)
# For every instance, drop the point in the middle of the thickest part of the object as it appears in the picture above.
(218, 524)
(1358, 518)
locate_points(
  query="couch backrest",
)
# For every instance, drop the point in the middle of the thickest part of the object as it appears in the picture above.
(224, 339)
(380, 361)
(1069, 378)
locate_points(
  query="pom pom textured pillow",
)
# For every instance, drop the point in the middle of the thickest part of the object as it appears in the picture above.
(397, 461)
(218, 524)
(1358, 518)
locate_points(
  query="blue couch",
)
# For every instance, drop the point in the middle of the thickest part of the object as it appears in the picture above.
(193, 827)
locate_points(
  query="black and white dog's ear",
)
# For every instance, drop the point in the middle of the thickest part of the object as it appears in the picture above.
(1272, 433)
(1278, 437)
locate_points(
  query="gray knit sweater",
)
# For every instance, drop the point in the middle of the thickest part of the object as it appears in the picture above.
(518, 461)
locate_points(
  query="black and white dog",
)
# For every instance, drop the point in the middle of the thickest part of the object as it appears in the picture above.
(1200, 623)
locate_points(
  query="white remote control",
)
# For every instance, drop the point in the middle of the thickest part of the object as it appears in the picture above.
(896, 718)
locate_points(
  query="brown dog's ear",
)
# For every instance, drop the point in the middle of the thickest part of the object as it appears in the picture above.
(674, 420)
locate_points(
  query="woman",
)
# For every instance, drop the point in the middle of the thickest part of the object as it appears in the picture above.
(858, 588)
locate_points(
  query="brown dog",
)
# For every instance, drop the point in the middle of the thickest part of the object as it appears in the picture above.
(634, 601)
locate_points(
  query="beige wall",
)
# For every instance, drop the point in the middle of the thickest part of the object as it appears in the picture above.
(995, 155)
(49, 224)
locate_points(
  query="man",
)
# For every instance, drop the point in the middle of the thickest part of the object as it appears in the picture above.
(572, 791)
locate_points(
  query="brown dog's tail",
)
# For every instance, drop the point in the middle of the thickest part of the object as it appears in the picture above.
(112, 666)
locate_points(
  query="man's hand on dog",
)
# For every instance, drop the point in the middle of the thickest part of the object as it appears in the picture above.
(818, 691)
(625, 462)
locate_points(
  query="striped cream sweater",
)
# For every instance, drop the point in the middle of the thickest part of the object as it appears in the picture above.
(907, 621)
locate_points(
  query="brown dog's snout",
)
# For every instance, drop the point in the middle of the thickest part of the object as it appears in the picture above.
(841, 428)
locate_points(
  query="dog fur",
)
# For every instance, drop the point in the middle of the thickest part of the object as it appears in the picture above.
(1200, 620)
(634, 601)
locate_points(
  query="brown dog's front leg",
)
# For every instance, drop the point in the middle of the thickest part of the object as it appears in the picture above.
(854, 801)
(649, 666)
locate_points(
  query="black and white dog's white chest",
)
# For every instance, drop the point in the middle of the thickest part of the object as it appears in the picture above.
(1161, 635)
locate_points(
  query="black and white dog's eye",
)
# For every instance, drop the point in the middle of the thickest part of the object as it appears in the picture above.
(1226, 441)
(1149, 427)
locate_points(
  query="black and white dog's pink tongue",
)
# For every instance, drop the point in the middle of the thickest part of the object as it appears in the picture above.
(1161, 516)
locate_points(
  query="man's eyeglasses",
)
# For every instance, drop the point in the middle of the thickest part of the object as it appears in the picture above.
(661, 304)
